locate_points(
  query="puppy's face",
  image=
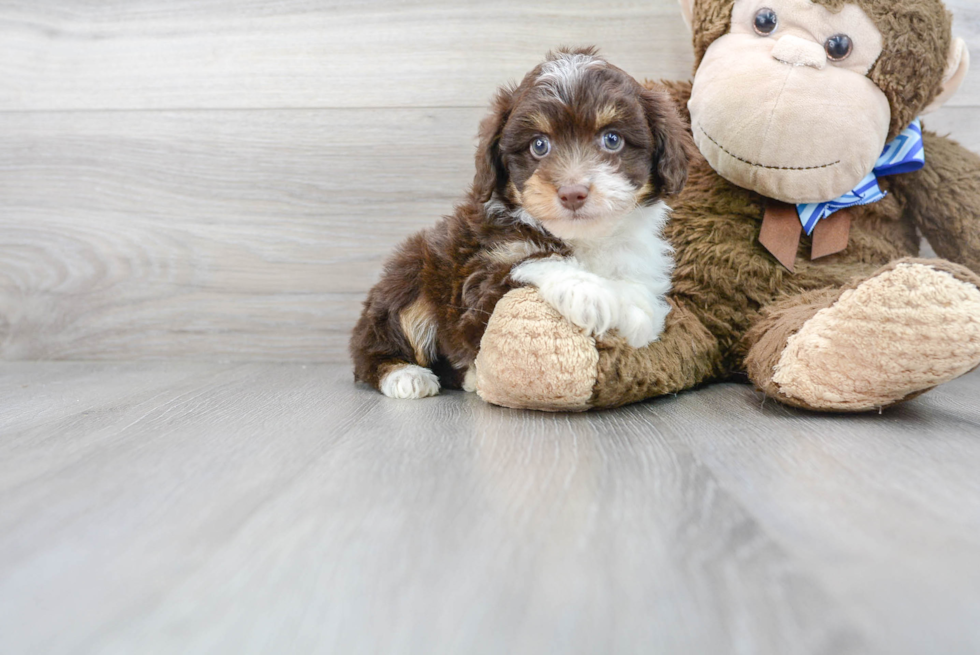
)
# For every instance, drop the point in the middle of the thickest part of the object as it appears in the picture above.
(579, 145)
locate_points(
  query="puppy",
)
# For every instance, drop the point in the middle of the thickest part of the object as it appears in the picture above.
(571, 171)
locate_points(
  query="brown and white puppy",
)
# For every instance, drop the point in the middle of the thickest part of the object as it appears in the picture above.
(572, 168)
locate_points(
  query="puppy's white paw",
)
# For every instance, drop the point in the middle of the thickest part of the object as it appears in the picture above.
(410, 382)
(584, 298)
(642, 317)
(637, 327)
(589, 305)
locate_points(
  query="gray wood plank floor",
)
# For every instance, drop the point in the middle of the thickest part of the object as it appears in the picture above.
(277, 508)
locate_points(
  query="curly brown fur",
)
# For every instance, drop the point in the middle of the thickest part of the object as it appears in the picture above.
(450, 277)
(438, 290)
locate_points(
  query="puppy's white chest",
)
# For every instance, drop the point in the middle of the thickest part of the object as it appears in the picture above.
(635, 252)
(613, 282)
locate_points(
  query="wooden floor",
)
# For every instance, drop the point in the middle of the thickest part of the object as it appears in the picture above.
(220, 181)
(277, 508)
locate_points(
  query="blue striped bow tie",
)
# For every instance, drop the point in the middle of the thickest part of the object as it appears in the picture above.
(903, 155)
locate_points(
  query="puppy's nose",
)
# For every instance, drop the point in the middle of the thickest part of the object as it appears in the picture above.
(573, 196)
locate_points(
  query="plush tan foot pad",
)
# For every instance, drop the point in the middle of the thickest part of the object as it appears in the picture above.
(532, 358)
(904, 331)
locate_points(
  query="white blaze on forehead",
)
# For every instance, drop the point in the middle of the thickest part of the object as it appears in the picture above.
(561, 75)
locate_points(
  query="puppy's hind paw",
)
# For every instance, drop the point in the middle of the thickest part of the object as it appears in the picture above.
(410, 382)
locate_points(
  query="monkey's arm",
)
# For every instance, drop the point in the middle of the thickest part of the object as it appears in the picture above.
(532, 358)
(943, 200)
(684, 356)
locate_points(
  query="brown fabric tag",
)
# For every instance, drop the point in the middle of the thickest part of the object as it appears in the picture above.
(781, 231)
(832, 234)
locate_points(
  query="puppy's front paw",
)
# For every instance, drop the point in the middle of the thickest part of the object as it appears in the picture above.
(642, 319)
(590, 305)
(638, 327)
(410, 382)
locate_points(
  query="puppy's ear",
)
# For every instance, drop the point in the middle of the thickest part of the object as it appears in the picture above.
(490, 172)
(674, 146)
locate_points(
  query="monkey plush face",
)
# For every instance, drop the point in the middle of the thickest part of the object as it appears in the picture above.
(796, 99)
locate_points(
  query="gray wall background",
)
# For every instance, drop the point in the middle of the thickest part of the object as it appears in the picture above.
(221, 179)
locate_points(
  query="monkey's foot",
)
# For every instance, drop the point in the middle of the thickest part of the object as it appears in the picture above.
(912, 326)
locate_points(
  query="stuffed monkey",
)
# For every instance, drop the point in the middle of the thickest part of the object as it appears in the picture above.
(797, 235)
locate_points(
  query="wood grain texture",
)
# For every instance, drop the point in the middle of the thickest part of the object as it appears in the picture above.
(896, 480)
(220, 180)
(182, 179)
(209, 508)
(176, 234)
(164, 54)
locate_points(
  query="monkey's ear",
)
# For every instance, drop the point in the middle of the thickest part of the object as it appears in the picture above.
(673, 147)
(490, 172)
(687, 10)
(957, 67)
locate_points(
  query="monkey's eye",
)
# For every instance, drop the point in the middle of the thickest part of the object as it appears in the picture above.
(540, 147)
(612, 141)
(839, 47)
(765, 22)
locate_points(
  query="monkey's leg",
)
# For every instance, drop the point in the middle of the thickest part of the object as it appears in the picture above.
(532, 358)
(911, 326)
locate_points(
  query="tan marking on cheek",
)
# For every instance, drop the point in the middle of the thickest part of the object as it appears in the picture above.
(644, 191)
(540, 199)
(513, 194)
(418, 323)
(605, 116)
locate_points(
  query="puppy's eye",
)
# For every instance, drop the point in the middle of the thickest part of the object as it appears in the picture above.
(839, 47)
(612, 141)
(765, 22)
(540, 147)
